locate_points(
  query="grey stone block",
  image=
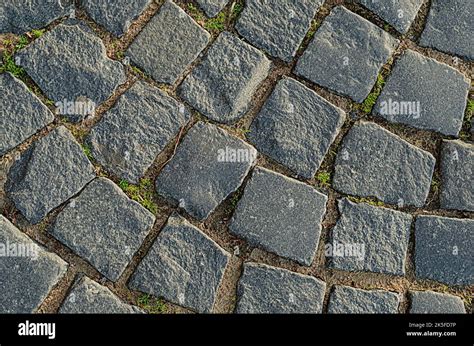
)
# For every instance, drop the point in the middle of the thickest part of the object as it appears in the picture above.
(435, 303)
(212, 7)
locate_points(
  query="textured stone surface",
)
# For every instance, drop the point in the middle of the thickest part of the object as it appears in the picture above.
(70, 64)
(20, 16)
(374, 162)
(457, 174)
(183, 266)
(383, 233)
(21, 113)
(449, 27)
(348, 300)
(212, 7)
(296, 127)
(265, 289)
(200, 176)
(443, 249)
(25, 280)
(103, 226)
(168, 44)
(88, 297)
(281, 215)
(278, 27)
(424, 93)
(221, 87)
(435, 303)
(50, 172)
(116, 16)
(346, 54)
(130, 135)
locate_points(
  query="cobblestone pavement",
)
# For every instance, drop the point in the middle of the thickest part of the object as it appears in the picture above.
(310, 156)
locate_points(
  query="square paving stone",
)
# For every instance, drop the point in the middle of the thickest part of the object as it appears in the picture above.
(381, 233)
(443, 249)
(88, 297)
(449, 27)
(168, 44)
(280, 214)
(348, 300)
(28, 272)
(346, 54)
(425, 94)
(70, 65)
(435, 303)
(373, 162)
(21, 113)
(129, 136)
(222, 86)
(184, 266)
(263, 289)
(19, 16)
(212, 7)
(208, 166)
(296, 127)
(116, 16)
(278, 27)
(103, 226)
(457, 172)
(46, 175)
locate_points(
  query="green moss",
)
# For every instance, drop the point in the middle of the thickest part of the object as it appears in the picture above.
(87, 151)
(237, 9)
(151, 305)
(37, 33)
(217, 24)
(22, 42)
(324, 178)
(142, 193)
(9, 65)
(371, 99)
(371, 201)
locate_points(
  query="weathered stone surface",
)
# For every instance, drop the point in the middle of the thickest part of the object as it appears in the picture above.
(88, 297)
(103, 226)
(374, 162)
(50, 172)
(281, 215)
(130, 135)
(457, 172)
(221, 87)
(20, 16)
(296, 127)
(382, 233)
(212, 7)
(168, 44)
(69, 64)
(346, 54)
(265, 289)
(435, 303)
(443, 249)
(449, 27)
(278, 27)
(116, 16)
(398, 13)
(28, 274)
(348, 300)
(184, 266)
(208, 166)
(21, 113)
(425, 94)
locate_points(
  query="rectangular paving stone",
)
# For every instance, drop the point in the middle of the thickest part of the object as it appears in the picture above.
(265, 290)
(128, 138)
(425, 94)
(346, 54)
(28, 272)
(457, 172)
(168, 44)
(443, 249)
(349, 300)
(184, 266)
(296, 127)
(48, 173)
(222, 85)
(429, 302)
(280, 214)
(373, 162)
(383, 233)
(278, 27)
(21, 113)
(103, 226)
(212, 7)
(208, 166)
